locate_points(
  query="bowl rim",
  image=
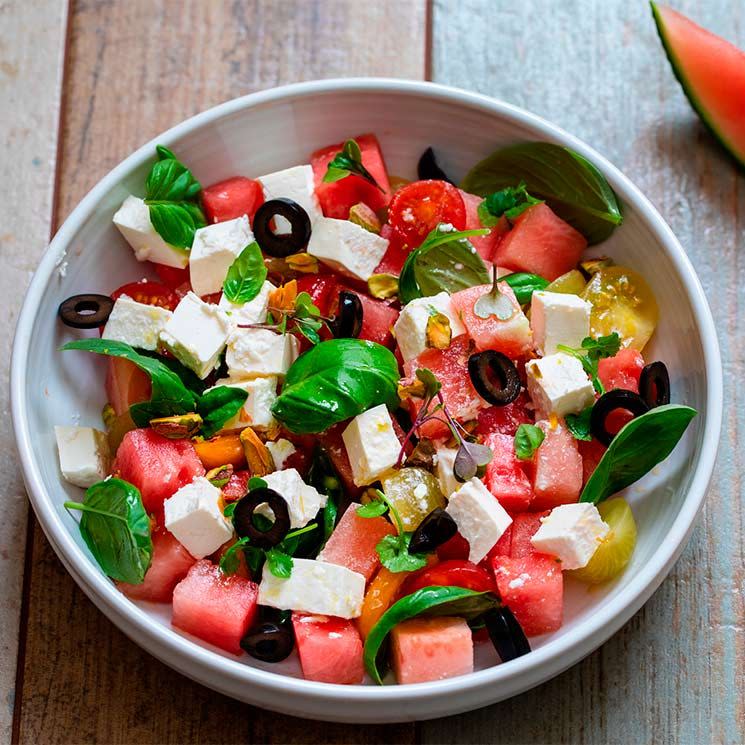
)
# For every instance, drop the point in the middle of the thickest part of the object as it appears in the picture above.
(557, 654)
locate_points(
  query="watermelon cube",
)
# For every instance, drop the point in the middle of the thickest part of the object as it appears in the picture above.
(558, 468)
(396, 254)
(504, 419)
(352, 544)
(486, 245)
(214, 607)
(232, 198)
(157, 466)
(511, 337)
(330, 649)
(332, 443)
(505, 477)
(378, 318)
(424, 649)
(591, 453)
(501, 548)
(532, 587)
(621, 371)
(524, 527)
(170, 564)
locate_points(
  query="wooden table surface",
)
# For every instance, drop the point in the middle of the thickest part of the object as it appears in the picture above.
(83, 84)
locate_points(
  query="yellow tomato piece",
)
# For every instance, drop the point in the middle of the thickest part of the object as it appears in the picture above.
(571, 283)
(414, 492)
(380, 596)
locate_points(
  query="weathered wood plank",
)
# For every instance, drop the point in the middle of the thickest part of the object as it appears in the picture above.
(136, 68)
(676, 672)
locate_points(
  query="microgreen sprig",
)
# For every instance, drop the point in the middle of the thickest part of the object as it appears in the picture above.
(303, 319)
(591, 352)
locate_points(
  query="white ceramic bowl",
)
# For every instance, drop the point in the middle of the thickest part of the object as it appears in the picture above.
(274, 129)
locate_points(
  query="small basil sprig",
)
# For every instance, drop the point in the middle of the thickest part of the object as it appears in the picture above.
(579, 424)
(172, 194)
(591, 352)
(524, 285)
(511, 202)
(219, 405)
(348, 162)
(429, 601)
(246, 275)
(528, 439)
(116, 529)
(638, 447)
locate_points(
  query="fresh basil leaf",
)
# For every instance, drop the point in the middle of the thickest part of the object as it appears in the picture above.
(579, 424)
(348, 162)
(528, 439)
(279, 563)
(324, 478)
(572, 186)
(229, 509)
(638, 447)
(116, 529)
(219, 405)
(188, 377)
(176, 222)
(246, 275)
(393, 551)
(429, 601)
(524, 285)
(169, 395)
(372, 509)
(336, 380)
(256, 483)
(231, 559)
(511, 202)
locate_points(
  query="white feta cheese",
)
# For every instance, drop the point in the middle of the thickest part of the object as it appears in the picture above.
(214, 249)
(410, 329)
(133, 221)
(254, 311)
(136, 324)
(572, 533)
(196, 334)
(303, 500)
(558, 318)
(194, 516)
(371, 444)
(445, 463)
(84, 455)
(558, 384)
(481, 520)
(294, 183)
(315, 587)
(256, 412)
(347, 247)
(256, 353)
(280, 451)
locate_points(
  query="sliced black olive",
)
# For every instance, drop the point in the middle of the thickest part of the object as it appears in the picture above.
(506, 634)
(437, 528)
(428, 168)
(347, 323)
(507, 386)
(243, 518)
(278, 244)
(85, 311)
(654, 384)
(609, 402)
(269, 641)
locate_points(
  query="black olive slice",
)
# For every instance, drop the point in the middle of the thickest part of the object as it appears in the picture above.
(609, 402)
(481, 364)
(654, 384)
(437, 528)
(506, 634)
(347, 323)
(269, 641)
(280, 245)
(243, 518)
(428, 168)
(85, 311)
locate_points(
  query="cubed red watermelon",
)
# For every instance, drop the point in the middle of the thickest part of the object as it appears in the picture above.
(505, 477)
(333, 444)
(591, 453)
(621, 371)
(524, 527)
(542, 243)
(156, 465)
(215, 607)
(323, 290)
(330, 649)
(504, 419)
(232, 198)
(424, 649)
(125, 384)
(396, 254)
(378, 318)
(486, 245)
(558, 468)
(501, 548)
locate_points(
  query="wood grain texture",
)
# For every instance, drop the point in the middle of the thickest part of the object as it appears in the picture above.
(676, 672)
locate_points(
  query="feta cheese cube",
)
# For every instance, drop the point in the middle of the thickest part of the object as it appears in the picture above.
(196, 334)
(346, 247)
(481, 520)
(133, 221)
(294, 183)
(572, 533)
(371, 444)
(303, 500)
(136, 324)
(315, 587)
(410, 329)
(558, 384)
(254, 311)
(214, 249)
(194, 515)
(280, 451)
(256, 412)
(558, 318)
(445, 463)
(254, 353)
(84, 455)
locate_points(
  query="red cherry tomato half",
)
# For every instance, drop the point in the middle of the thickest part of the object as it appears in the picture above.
(148, 293)
(232, 198)
(417, 209)
(172, 276)
(452, 573)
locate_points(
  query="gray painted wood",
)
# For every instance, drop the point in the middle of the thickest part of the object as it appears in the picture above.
(676, 672)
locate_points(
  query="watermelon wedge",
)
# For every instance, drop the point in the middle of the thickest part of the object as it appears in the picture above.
(712, 73)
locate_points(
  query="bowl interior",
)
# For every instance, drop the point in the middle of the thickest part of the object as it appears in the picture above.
(64, 388)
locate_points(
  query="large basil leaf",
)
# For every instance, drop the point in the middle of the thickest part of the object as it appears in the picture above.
(429, 601)
(334, 381)
(572, 186)
(116, 529)
(176, 222)
(637, 448)
(169, 395)
(218, 405)
(246, 275)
